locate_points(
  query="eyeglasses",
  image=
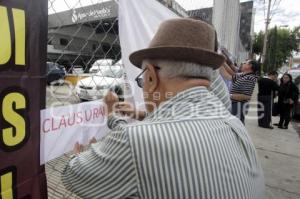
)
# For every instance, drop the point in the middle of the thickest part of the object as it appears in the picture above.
(139, 80)
(246, 62)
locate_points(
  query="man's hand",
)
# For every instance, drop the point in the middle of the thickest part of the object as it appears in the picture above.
(291, 102)
(93, 140)
(128, 109)
(111, 100)
(78, 148)
(224, 72)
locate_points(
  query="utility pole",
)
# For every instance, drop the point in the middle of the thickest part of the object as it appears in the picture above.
(266, 32)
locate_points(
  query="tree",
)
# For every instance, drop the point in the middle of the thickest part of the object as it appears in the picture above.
(282, 42)
(258, 42)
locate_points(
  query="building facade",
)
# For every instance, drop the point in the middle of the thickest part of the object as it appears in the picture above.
(83, 35)
(234, 23)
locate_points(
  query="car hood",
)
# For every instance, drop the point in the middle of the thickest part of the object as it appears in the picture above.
(99, 81)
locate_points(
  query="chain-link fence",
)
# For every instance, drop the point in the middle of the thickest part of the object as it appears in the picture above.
(83, 44)
(84, 57)
(83, 62)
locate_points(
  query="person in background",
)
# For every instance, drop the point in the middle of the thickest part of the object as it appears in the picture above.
(242, 86)
(187, 146)
(266, 88)
(287, 98)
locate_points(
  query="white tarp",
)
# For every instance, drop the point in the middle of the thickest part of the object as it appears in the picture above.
(62, 127)
(138, 22)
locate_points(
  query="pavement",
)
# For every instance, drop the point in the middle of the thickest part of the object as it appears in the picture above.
(279, 153)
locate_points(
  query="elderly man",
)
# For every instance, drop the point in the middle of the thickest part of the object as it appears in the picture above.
(188, 146)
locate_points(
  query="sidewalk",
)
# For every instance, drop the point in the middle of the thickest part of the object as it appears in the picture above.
(279, 153)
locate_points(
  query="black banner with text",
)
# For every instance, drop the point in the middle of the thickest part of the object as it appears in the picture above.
(23, 49)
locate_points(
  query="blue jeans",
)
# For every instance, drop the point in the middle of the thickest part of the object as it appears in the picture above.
(239, 109)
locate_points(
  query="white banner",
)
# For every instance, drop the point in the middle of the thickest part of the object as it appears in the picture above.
(62, 127)
(138, 22)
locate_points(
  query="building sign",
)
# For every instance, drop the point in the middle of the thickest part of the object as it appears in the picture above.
(23, 33)
(96, 12)
(91, 14)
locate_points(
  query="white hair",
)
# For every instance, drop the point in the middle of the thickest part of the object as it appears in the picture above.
(171, 69)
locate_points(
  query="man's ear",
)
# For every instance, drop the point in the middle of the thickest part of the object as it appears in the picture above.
(152, 78)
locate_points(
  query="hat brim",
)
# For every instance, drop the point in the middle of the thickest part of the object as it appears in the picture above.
(193, 55)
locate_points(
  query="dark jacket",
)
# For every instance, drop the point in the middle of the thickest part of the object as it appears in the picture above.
(266, 86)
(288, 91)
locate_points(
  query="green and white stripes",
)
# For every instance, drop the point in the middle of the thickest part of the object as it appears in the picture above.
(189, 148)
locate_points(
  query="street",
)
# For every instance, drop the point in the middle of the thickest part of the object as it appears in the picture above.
(296, 125)
(279, 153)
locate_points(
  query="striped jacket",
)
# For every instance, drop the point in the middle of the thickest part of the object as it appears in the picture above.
(243, 83)
(189, 148)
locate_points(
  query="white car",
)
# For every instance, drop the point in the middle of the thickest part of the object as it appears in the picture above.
(296, 110)
(100, 65)
(96, 86)
(294, 73)
(77, 69)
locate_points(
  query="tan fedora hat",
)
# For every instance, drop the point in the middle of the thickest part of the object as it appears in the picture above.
(182, 39)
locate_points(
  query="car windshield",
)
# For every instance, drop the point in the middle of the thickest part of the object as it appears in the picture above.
(52, 66)
(104, 62)
(294, 74)
(112, 72)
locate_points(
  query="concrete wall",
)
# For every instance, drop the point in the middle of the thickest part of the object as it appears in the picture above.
(226, 15)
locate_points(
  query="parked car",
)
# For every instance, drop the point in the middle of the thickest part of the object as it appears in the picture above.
(77, 69)
(294, 73)
(101, 64)
(54, 72)
(296, 110)
(96, 86)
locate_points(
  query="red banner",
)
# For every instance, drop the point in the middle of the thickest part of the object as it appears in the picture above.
(23, 48)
